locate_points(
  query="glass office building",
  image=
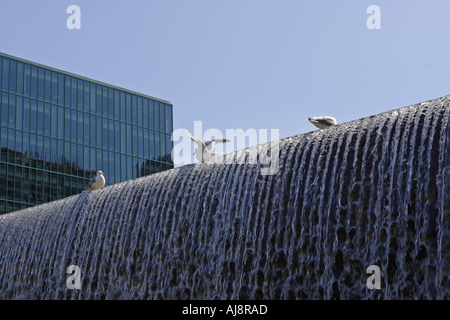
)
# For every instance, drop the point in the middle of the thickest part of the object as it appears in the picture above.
(57, 129)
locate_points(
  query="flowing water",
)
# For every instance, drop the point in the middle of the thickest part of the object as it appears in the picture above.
(374, 191)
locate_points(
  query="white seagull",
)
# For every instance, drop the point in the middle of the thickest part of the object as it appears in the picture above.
(96, 182)
(204, 151)
(323, 122)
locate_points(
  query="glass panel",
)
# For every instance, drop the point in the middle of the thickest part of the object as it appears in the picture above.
(12, 110)
(1, 80)
(33, 116)
(61, 89)
(54, 90)
(34, 82)
(27, 81)
(134, 109)
(40, 117)
(61, 122)
(74, 93)
(53, 187)
(111, 103)
(87, 96)
(135, 167)
(41, 83)
(19, 112)
(66, 124)
(116, 104)
(140, 142)
(40, 151)
(169, 148)
(162, 140)
(111, 138)
(26, 148)
(5, 108)
(73, 126)
(168, 118)
(145, 113)
(99, 132)
(140, 112)
(117, 168)
(99, 100)
(111, 171)
(19, 147)
(4, 142)
(129, 168)
(5, 74)
(156, 119)
(54, 121)
(157, 146)
(129, 140)
(128, 107)
(86, 162)
(105, 102)
(12, 75)
(61, 156)
(146, 144)
(117, 138)
(26, 114)
(67, 88)
(105, 133)
(123, 138)
(47, 153)
(74, 158)
(93, 105)
(161, 117)
(25, 185)
(152, 144)
(87, 126)
(80, 101)
(47, 119)
(48, 86)
(20, 77)
(11, 147)
(66, 160)
(105, 166)
(123, 167)
(54, 155)
(135, 141)
(81, 133)
(122, 106)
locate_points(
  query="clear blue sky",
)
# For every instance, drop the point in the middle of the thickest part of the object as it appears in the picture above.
(245, 63)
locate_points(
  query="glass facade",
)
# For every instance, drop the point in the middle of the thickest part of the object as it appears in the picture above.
(57, 129)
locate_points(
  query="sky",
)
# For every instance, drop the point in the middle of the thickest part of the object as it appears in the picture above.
(248, 64)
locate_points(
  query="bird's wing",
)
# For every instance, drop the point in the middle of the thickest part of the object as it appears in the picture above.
(210, 144)
(93, 180)
(198, 142)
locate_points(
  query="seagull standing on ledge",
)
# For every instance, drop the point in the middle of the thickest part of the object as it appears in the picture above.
(203, 152)
(324, 122)
(96, 182)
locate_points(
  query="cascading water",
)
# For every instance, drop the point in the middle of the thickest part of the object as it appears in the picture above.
(374, 191)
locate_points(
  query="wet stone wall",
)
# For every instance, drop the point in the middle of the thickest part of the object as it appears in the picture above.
(374, 191)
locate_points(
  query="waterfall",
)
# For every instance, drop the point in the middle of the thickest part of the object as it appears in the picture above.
(374, 191)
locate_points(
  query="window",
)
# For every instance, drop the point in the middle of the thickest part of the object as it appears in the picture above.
(156, 117)
(111, 103)
(19, 113)
(54, 89)
(20, 77)
(140, 142)
(34, 82)
(47, 119)
(169, 147)
(152, 144)
(111, 137)
(81, 133)
(146, 144)
(93, 106)
(117, 167)
(12, 110)
(1, 77)
(145, 115)
(99, 100)
(66, 123)
(12, 75)
(105, 102)
(61, 122)
(99, 132)
(73, 131)
(67, 89)
(5, 108)
(80, 101)
(162, 126)
(168, 118)
(41, 83)
(86, 162)
(123, 137)
(140, 112)
(105, 133)
(117, 138)
(40, 117)
(61, 89)
(5, 74)
(129, 140)
(86, 132)
(33, 116)
(116, 104)
(54, 121)
(87, 96)
(73, 92)
(122, 107)
(134, 109)
(26, 114)
(48, 86)
(128, 107)
(135, 140)
(27, 81)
